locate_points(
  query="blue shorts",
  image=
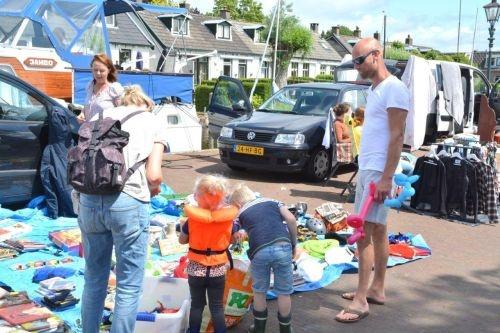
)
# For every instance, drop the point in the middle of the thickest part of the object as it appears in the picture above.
(277, 257)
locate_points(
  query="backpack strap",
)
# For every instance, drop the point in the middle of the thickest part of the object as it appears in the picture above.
(133, 114)
(133, 169)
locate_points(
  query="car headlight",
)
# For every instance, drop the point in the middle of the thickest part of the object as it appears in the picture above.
(290, 139)
(226, 132)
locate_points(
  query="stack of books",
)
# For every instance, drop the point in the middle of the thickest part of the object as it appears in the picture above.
(17, 311)
(57, 294)
(68, 240)
(24, 245)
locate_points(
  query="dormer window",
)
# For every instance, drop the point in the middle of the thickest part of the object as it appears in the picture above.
(180, 26)
(254, 32)
(223, 31)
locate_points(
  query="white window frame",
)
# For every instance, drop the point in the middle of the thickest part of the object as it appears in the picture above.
(180, 21)
(306, 67)
(294, 68)
(221, 31)
(322, 69)
(111, 24)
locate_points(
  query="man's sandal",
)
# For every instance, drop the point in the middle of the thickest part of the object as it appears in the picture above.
(371, 300)
(360, 315)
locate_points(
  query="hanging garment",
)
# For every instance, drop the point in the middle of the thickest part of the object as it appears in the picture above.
(472, 197)
(453, 93)
(487, 191)
(457, 183)
(53, 169)
(430, 188)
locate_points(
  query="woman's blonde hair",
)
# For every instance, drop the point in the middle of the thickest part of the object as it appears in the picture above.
(133, 95)
(359, 115)
(210, 184)
(241, 195)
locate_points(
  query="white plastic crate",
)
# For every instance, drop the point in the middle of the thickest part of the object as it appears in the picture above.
(172, 293)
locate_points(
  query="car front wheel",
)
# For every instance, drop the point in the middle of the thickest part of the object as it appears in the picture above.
(318, 166)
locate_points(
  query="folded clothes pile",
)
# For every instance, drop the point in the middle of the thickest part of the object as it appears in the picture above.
(57, 294)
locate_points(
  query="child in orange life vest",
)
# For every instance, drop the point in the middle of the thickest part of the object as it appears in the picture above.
(272, 245)
(208, 231)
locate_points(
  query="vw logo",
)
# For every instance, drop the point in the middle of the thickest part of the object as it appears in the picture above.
(251, 135)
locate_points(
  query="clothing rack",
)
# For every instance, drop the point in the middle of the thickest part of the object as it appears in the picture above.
(460, 148)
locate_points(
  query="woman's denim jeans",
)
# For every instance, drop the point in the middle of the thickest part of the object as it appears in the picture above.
(123, 222)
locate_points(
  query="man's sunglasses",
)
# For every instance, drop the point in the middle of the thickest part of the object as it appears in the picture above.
(361, 59)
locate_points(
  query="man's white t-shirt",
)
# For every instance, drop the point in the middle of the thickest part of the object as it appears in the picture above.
(144, 130)
(390, 93)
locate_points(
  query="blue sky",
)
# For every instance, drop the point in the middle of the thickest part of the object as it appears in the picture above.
(431, 23)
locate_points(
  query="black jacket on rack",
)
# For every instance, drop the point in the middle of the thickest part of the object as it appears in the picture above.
(457, 185)
(431, 187)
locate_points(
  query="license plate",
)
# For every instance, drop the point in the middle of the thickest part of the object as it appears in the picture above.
(249, 150)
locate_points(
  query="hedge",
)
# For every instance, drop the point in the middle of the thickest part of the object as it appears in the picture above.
(201, 95)
(324, 77)
(263, 89)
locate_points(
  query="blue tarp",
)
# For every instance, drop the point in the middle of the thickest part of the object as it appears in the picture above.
(155, 85)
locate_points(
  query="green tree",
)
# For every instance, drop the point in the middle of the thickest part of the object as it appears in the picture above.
(293, 40)
(168, 3)
(345, 31)
(250, 10)
(244, 10)
(398, 45)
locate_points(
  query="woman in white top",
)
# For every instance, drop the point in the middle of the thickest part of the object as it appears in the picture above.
(104, 91)
(121, 220)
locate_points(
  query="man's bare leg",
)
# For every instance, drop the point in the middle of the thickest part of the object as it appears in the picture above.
(365, 263)
(381, 254)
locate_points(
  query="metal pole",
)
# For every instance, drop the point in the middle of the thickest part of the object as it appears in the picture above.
(491, 39)
(385, 25)
(459, 19)
(276, 42)
(474, 39)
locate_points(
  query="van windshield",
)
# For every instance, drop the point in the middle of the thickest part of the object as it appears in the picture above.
(301, 100)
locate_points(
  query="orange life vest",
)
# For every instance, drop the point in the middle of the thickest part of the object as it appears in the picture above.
(209, 234)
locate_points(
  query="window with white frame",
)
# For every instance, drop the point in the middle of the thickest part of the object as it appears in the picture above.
(224, 31)
(497, 62)
(227, 67)
(256, 37)
(305, 70)
(242, 69)
(322, 69)
(332, 70)
(295, 69)
(180, 26)
(111, 21)
(264, 70)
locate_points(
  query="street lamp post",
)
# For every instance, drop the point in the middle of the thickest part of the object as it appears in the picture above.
(492, 11)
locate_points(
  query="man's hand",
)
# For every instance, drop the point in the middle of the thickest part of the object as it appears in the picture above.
(80, 118)
(383, 189)
(154, 191)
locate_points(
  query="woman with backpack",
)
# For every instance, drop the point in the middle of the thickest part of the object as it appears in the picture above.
(121, 220)
(104, 91)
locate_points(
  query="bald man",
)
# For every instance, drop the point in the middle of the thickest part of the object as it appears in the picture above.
(381, 144)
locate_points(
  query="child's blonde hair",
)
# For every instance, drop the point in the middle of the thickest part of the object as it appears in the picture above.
(359, 115)
(133, 95)
(241, 195)
(210, 184)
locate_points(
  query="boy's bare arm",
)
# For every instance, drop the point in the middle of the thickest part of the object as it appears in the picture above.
(292, 223)
(183, 238)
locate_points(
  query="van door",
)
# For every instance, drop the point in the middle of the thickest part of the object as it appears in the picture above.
(229, 101)
(444, 120)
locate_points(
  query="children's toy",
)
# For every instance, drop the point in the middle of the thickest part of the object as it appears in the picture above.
(357, 221)
(407, 191)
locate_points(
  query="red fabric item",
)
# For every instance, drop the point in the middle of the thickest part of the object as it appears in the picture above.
(402, 250)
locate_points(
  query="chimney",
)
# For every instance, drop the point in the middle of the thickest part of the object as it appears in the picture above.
(314, 27)
(225, 14)
(409, 40)
(357, 32)
(336, 30)
(376, 35)
(185, 5)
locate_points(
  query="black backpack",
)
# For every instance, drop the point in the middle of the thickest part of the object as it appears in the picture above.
(97, 165)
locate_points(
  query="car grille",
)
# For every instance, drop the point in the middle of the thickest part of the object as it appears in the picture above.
(259, 136)
(249, 158)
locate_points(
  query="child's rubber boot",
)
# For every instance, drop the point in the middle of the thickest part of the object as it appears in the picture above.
(259, 322)
(285, 323)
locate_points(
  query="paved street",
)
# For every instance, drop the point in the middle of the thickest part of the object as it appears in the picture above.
(455, 290)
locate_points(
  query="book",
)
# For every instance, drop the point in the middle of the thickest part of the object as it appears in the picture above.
(169, 246)
(24, 313)
(68, 239)
(25, 245)
(42, 324)
(14, 230)
(14, 298)
(57, 284)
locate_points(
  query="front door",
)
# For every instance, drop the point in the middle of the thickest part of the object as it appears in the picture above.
(22, 118)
